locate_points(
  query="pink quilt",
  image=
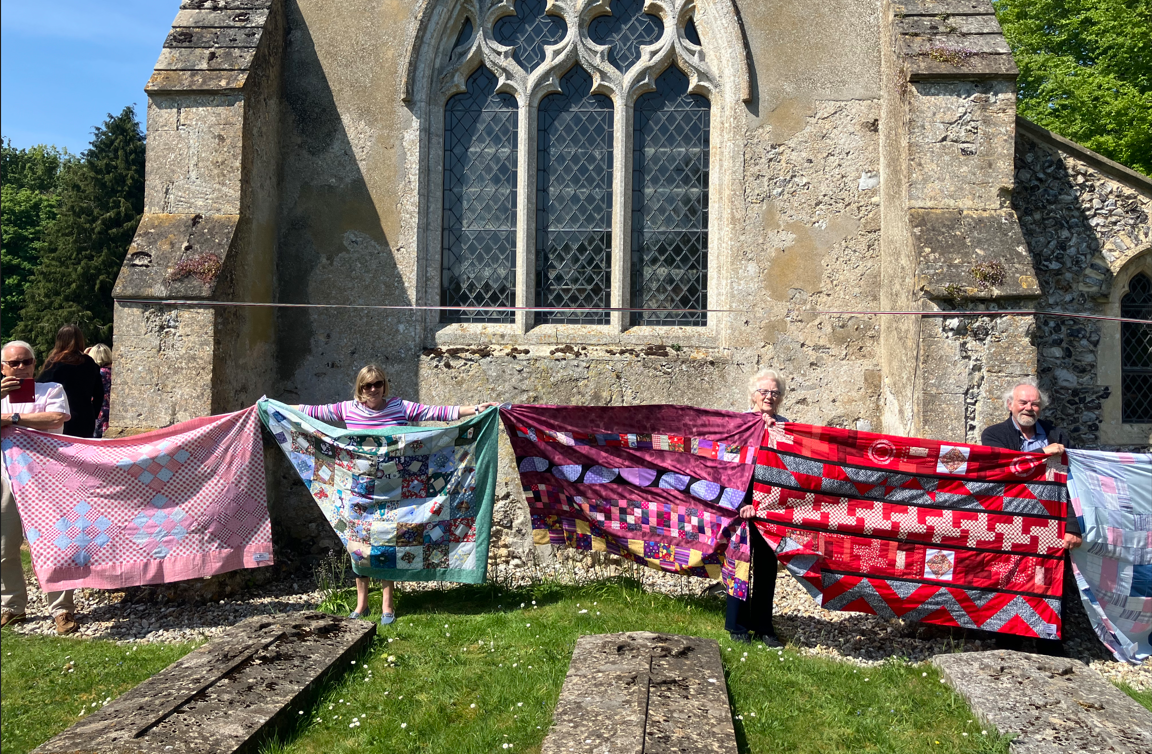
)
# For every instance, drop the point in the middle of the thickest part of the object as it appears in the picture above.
(183, 502)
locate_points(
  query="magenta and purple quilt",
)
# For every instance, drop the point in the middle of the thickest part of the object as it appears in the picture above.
(658, 485)
(178, 503)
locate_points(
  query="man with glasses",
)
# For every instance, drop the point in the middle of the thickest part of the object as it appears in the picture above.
(1025, 431)
(47, 412)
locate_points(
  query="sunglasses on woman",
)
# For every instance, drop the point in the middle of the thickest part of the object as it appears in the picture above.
(377, 385)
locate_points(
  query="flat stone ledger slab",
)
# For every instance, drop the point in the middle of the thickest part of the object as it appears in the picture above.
(1050, 704)
(643, 693)
(227, 696)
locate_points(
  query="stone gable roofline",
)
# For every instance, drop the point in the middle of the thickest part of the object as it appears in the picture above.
(1112, 169)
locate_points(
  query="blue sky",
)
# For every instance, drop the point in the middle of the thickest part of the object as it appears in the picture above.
(66, 64)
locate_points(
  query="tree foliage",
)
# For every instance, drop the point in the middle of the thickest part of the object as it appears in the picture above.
(1086, 71)
(101, 202)
(30, 180)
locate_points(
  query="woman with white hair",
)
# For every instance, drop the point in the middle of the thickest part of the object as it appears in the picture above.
(372, 408)
(766, 391)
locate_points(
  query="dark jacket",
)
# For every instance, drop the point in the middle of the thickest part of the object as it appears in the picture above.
(85, 390)
(1005, 435)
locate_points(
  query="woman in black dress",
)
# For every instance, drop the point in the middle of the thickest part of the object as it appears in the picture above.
(75, 370)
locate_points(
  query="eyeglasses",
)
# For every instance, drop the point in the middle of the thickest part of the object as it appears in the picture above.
(377, 385)
(768, 393)
(17, 363)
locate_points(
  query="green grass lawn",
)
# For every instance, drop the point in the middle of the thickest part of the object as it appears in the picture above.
(1144, 697)
(48, 683)
(471, 668)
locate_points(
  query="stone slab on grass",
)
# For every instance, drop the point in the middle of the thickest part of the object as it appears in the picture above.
(643, 693)
(1050, 704)
(227, 696)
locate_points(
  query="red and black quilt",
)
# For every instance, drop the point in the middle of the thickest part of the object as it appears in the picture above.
(957, 535)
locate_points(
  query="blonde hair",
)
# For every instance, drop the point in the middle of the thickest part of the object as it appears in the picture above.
(369, 373)
(101, 354)
(767, 374)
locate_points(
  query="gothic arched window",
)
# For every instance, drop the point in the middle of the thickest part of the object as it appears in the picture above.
(1136, 352)
(576, 163)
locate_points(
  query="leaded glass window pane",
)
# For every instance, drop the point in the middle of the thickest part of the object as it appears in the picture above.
(479, 226)
(1136, 352)
(574, 201)
(529, 31)
(626, 29)
(670, 203)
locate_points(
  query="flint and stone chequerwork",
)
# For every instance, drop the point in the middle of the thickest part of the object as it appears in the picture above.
(859, 156)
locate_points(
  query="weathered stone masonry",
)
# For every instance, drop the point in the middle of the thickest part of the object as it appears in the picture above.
(864, 156)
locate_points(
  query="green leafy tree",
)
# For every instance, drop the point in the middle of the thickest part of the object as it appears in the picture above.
(27, 209)
(1086, 71)
(101, 202)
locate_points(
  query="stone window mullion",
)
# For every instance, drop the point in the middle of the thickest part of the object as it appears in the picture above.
(526, 214)
(622, 214)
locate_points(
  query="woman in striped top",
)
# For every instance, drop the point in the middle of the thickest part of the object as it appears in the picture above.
(371, 408)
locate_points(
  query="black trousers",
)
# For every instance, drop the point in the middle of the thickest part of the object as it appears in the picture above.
(755, 613)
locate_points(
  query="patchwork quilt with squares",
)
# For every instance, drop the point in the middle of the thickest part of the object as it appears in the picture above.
(1112, 495)
(658, 485)
(183, 502)
(957, 535)
(409, 503)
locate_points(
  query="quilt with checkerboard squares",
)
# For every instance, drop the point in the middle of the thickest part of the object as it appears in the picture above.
(956, 535)
(657, 485)
(178, 503)
(409, 503)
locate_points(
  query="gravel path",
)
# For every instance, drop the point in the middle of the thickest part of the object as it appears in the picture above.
(852, 637)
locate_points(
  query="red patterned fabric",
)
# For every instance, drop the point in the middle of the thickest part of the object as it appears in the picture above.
(957, 535)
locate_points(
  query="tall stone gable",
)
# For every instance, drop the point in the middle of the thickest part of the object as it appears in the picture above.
(863, 156)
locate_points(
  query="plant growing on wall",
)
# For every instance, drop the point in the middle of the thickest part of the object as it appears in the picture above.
(1086, 71)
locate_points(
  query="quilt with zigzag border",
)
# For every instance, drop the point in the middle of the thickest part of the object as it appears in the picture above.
(944, 533)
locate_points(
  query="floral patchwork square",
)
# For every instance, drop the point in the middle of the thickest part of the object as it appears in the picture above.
(411, 466)
(383, 557)
(437, 483)
(410, 558)
(411, 487)
(409, 535)
(304, 464)
(436, 533)
(325, 472)
(462, 506)
(436, 556)
(442, 461)
(464, 529)
(462, 555)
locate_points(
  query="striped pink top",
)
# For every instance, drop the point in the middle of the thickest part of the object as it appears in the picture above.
(394, 413)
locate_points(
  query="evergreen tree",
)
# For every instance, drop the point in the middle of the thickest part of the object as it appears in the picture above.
(1086, 71)
(28, 207)
(101, 202)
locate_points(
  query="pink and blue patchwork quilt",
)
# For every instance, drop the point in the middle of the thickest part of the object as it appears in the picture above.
(178, 503)
(409, 503)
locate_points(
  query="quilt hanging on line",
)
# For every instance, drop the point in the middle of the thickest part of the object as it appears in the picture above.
(182, 502)
(1112, 495)
(658, 485)
(957, 535)
(409, 503)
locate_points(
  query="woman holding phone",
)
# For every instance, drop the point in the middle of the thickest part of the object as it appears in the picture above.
(372, 408)
(42, 406)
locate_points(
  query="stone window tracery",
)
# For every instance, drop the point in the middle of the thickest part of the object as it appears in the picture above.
(606, 204)
(1136, 352)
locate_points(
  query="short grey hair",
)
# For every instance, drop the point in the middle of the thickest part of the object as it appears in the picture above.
(1010, 394)
(770, 374)
(19, 344)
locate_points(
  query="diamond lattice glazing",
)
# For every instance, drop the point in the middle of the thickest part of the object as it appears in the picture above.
(670, 203)
(625, 31)
(529, 31)
(479, 225)
(574, 201)
(1136, 352)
